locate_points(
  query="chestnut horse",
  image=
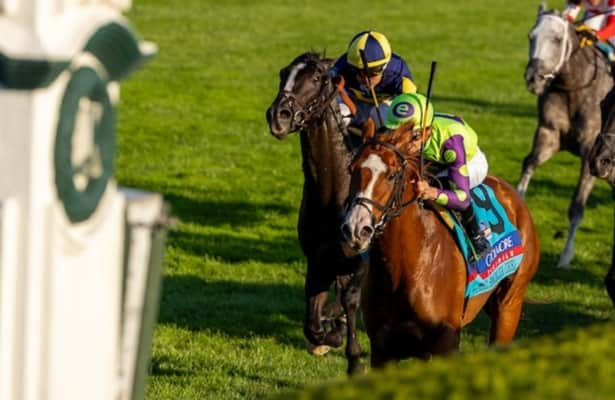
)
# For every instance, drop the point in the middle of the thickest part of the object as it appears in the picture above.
(413, 293)
(306, 103)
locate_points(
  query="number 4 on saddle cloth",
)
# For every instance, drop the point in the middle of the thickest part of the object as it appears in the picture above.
(506, 248)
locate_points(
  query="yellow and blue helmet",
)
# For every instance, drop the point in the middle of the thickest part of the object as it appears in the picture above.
(374, 45)
(409, 107)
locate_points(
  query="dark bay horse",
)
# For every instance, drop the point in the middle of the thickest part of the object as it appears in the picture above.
(413, 292)
(306, 103)
(602, 164)
(570, 81)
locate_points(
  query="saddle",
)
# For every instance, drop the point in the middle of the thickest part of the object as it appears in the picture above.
(507, 250)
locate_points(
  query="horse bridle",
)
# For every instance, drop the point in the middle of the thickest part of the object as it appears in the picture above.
(303, 114)
(566, 48)
(567, 52)
(395, 204)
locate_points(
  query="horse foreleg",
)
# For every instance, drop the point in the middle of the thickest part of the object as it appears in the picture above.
(316, 293)
(575, 212)
(350, 302)
(334, 309)
(333, 315)
(609, 279)
(546, 144)
(380, 346)
(447, 340)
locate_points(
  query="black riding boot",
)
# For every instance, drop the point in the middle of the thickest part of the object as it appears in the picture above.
(470, 224)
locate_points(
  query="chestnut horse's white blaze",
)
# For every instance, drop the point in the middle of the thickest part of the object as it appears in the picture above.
(375, 164)
(360, 214)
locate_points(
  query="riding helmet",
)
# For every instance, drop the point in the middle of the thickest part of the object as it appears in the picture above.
(409, 107)
(376, 48)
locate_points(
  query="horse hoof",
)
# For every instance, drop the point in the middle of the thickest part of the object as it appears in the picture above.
(565, 259)
(358, 369)
(317, 350)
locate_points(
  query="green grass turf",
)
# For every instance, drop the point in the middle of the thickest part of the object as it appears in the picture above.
(192, 126)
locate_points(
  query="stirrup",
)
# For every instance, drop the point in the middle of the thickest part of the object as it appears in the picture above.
(481, 247)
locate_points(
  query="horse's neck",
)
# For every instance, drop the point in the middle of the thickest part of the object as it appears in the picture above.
(326, 159)
(579, 69)
(420, 231)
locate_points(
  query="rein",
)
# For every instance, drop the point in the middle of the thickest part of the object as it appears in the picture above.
(395, 204)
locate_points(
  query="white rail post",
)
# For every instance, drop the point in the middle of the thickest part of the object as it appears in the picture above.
(79, 258)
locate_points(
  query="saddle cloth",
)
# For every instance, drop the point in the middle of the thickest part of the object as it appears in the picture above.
(506, 252)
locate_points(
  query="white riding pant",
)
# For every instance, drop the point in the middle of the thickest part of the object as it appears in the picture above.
(477, 169)
(598, 22)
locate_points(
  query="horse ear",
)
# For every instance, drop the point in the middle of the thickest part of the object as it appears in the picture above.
(542, 7)
(369, 129)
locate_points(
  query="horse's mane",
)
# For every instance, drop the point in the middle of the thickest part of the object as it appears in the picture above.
(395, 139)
(313, 57)
(551, 12)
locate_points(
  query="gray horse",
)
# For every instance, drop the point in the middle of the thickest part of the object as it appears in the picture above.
(570, 82)
(602, 165)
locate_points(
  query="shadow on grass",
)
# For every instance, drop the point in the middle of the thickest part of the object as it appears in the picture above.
(228, 246)
(549, 275)
(232, 249)
(600, 195)
(515, 110)
(240, 310)
(540, 319)
(217, 213)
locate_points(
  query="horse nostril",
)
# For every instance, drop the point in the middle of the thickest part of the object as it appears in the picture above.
(604, 162)
(284, 113)
(367, 232)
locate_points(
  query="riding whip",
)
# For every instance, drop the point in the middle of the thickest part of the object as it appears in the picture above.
(371, 89)
(432, 74)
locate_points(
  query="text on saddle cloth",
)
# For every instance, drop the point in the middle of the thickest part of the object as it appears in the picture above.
(506, 249)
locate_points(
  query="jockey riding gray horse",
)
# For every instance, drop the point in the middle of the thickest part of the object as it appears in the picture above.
(570, 82)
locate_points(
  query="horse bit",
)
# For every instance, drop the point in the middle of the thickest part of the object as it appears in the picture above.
(394, 205)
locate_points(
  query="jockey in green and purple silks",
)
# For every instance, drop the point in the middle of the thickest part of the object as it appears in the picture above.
(453, 145)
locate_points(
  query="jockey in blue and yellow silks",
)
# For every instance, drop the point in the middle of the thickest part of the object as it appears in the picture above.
(453, 146)
(386, 72)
